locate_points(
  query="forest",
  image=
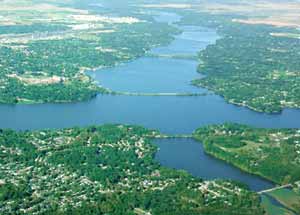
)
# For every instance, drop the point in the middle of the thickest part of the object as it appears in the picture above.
(42, 62)
(256, 66)
(23, 29)
(271, 153)
(107, 169)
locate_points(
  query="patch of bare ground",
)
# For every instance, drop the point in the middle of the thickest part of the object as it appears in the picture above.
(174, 6)
(270, 21)
(38, 80)
(289, 35)
(268, 12)
(280, 14)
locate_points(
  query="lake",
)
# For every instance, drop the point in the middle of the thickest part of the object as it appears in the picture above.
(169, 114)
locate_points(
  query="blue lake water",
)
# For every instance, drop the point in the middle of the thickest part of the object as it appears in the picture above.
(188, 154)
(192, 40)
(150, 75)
(161, 75)
(172, 115)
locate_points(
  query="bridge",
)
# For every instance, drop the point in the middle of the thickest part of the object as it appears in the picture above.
(275, 188)
(178, 136)
(159, 94)
(174, 56)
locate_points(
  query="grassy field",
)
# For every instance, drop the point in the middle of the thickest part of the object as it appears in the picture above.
(272, 209)
(270, 153)
(288, 198)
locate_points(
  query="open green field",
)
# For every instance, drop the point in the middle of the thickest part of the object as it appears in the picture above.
(287, 197)
(271, 153)
(272, 209)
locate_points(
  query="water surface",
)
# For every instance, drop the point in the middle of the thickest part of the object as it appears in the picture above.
(164, 74)
(150, 75)
(188, 154)
(171, 115)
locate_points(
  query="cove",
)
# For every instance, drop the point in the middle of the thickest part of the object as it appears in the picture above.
(188, 154)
